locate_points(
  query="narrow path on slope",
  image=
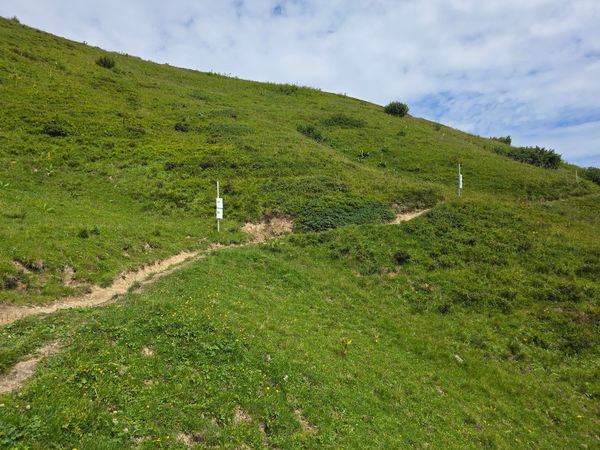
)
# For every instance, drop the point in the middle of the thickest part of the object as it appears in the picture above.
(99, 295)
(104, 295)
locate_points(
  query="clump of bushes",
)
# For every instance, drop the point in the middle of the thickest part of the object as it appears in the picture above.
(286, 89)
(504, 139)
(106, 62)
(401, 257)
(182, 126)
(310, 132)
(10, 282)
(592, 174)
(344, 121)
(537, 156)
(333, 212)
(396, 109)
(55, 128)
(84, 233)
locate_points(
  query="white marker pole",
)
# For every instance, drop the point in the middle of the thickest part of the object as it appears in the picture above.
(460, 181)
(219, 209)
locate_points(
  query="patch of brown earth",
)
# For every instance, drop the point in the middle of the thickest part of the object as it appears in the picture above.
(25, 369)
(270, 228)
(98, 295)
(21, 267)
(305, 424)
(403, 217)
(69, 278)
(186, 439)
(147, 351)
(241, 416)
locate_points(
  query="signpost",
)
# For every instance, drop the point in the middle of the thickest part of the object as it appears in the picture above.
(460, 181)
(219, 209)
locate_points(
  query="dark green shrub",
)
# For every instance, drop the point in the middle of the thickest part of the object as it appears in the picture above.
(55, 128)
(333, 212)
(106, 62)
(536, 156)
(11, 282)
(344, 121)
(311, 132)
(396, 109)
(504, 139)
(592, 174)
(286, 89)
(207, 163)
(182, 127)
(83, 233)
(215, 130)
(401, 257)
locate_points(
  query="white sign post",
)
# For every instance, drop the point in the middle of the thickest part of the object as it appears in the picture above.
(460, 181)
(219, 209)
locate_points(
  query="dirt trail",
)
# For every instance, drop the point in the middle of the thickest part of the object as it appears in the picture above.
(98, 295)
(274, 228)
(25, 369)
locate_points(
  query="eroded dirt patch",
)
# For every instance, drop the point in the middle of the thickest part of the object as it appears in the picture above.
(270, 228)
(25, 369)
(307, 427)
(241, 416)
(69, 278)
(406, 216)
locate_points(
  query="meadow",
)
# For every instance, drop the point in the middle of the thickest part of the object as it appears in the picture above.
(475, 325)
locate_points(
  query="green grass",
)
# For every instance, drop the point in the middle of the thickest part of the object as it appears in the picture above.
(136, 150)
(440, 351)
(475, 325)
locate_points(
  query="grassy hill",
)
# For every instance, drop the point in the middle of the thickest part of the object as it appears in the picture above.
(475, 325)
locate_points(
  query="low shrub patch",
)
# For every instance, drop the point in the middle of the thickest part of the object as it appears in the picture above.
(504, 139)
(333, 212)
(183, 127)
(311, 132)
(536, 156)
(106, 62)
(398, 109)
(592, 174)
(55, 128)
(344, 121)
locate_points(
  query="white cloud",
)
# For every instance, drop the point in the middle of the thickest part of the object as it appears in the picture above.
(494, 67)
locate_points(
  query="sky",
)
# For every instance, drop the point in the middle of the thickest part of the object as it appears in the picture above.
(525, 68)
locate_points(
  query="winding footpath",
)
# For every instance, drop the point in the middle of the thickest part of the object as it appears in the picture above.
(147, 274)
(98, 296)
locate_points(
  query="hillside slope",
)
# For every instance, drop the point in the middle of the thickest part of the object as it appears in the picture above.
(96, 152)
(473, 325)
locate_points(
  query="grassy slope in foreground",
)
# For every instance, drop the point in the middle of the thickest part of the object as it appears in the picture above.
(95, 175)
(432, 333)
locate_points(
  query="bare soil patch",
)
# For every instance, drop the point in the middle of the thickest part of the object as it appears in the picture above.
(25, 369)
(406, 216)
(270, 228)
(307, 427)
(241, 416)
